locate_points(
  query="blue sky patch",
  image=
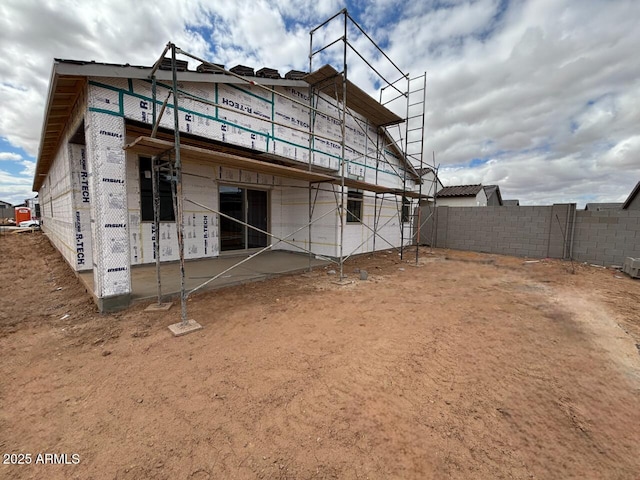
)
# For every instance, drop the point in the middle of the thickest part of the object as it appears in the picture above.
(14, 167)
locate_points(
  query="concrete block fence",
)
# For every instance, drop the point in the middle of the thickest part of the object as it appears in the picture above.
(557, 231)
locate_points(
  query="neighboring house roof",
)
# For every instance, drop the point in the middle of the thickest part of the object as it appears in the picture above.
(460, 191)
(491, 190)
(631, 196)
(421, 172)
(511, 203)
(424, 171)
(5, 204)
(603, 206)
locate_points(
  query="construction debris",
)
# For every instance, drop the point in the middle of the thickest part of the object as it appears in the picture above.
(632, 267)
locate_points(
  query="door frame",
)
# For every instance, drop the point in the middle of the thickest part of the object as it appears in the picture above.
(245, 187)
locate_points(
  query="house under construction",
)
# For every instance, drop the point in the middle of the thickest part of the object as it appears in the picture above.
(147, 165)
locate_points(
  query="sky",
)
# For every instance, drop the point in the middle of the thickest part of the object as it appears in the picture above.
(541, 97)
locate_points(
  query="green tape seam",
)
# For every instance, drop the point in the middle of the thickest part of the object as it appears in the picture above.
(226, 122)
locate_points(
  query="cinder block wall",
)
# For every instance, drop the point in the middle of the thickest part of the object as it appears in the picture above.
(558, 231)
(521, 231)
(606, 237)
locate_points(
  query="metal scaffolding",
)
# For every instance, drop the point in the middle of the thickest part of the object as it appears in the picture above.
(328, 85)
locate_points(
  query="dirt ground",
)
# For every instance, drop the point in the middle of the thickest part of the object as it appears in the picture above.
(468, 366)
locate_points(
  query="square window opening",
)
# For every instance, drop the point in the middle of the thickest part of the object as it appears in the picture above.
(406, 210)
(354, 206)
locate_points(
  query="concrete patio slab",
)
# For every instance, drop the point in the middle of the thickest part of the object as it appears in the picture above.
(258, 268)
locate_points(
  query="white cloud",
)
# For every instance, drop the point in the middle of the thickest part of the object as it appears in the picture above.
(7, 178)
(29, 169)
(15, 189)
(550, 94)
(624, 155)
(548, 90)
(10, 156)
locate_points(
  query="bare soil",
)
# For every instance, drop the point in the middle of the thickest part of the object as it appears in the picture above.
(468, 366)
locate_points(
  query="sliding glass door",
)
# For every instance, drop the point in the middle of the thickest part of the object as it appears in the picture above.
(246, 205)
(257, 213)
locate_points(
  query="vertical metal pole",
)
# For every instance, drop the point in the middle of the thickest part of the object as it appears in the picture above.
(155, 172)
(376, 218)
(424, 103)
(419, 211)
(310, 138)
(178, 179)
(309, 226)
(343, 150)
(154, 96)
(366, 159)
(434, 215)
(311, 127)
(407, 160)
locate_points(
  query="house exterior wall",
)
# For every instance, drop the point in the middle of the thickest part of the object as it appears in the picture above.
(201, 184)
(429, 186)
(60, 201)
(457, 201)
(291, 211)
(248, 116)
(200, 225)
(635, 204)
(493, 201)
(6, 210)
(56, 196)
(480, 200)
(104, 135)
(237, 124)
(91, 196)
(82, 207)
(289, 214)
(359, 237)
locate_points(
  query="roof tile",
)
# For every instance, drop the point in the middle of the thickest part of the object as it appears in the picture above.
(460, 191)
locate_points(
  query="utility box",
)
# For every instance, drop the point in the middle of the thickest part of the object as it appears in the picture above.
(22, 214)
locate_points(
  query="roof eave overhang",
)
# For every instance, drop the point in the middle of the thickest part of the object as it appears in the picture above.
(37, 180)
(357, 99)
(61, 69)
(631, 196)
(143, 73)
(64, 91)
(457, 196)
(396, 147)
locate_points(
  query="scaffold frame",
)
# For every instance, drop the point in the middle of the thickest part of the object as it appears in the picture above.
(338, 184)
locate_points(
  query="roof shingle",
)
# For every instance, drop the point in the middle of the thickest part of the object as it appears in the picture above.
(460, 191)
